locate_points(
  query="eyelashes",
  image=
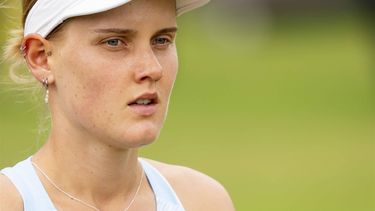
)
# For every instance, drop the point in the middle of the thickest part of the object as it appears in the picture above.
(161, 41)
(113, 42)
(118, 43)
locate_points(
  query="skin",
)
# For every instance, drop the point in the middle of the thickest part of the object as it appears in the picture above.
(95, 135)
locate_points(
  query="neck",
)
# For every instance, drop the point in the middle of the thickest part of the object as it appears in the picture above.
(92, 169)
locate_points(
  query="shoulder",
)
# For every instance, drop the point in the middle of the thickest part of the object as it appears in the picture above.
(10, 198)
(196, 190)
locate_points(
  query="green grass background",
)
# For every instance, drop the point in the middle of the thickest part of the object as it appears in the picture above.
(282, 116)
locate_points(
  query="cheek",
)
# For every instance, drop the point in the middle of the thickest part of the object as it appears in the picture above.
(170, 68)
(85, 83)
(90, 79)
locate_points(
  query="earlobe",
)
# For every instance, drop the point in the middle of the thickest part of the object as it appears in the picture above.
(36, 53)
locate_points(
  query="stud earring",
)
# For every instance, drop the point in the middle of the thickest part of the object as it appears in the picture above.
(45, 84)
(23, 50)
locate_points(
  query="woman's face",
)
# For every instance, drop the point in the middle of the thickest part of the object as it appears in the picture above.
(104, 63)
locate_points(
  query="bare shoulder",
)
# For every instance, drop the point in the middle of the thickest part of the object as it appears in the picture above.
(196, 190)
(10, 199)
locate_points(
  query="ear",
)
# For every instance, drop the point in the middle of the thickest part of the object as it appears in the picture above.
(37, 50)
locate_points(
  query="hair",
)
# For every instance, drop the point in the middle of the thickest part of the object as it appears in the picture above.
(12, 53)
(18, 73)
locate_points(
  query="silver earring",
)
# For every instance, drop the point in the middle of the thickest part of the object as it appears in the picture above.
(23, 50)
(45, 84)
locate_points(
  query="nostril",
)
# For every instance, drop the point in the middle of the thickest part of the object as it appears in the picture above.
(152, 77)
(144, 78)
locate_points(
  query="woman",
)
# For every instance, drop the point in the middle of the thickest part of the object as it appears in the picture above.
(108, 68)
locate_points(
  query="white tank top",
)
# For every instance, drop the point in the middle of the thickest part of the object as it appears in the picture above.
(35, 197)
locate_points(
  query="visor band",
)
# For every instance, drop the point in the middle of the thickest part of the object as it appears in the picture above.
(46, 15)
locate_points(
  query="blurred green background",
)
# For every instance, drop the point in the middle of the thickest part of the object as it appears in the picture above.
(275, 99)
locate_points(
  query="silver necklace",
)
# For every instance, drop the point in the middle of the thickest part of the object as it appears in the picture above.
(81, 201)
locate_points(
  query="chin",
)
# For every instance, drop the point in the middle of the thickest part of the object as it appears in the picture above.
(138, 136)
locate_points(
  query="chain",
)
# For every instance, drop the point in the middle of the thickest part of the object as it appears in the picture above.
(81, 201)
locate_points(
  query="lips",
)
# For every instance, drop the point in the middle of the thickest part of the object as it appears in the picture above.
(145, 104)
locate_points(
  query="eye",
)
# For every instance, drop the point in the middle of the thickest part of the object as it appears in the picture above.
(113, 42)
(161, 41)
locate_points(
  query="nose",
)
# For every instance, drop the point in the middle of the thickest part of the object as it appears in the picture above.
(149, 67)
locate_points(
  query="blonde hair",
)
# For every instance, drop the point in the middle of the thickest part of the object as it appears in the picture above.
(19, 74)
(12, 53)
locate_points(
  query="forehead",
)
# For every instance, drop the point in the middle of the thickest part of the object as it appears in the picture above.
(136, 13)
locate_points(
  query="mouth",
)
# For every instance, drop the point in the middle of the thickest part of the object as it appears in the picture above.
(145, 99)
(145, 104)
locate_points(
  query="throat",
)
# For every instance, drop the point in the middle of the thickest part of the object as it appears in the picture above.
(93, 174)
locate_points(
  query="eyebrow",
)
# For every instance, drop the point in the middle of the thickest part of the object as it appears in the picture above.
(167, 30)
(115, 31)
(131, 31)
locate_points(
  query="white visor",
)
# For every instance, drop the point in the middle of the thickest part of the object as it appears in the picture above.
(46, 15)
